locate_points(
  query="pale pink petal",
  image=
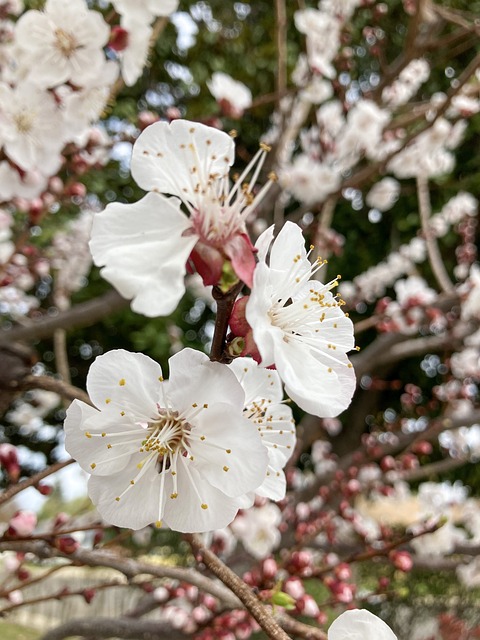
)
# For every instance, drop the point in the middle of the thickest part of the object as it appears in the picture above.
(240, 251)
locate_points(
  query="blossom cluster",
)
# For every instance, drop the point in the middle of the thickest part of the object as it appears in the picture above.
(182, 447)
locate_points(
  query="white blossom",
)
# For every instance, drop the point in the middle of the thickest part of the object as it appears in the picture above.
(299, 325)
(177, 451)
(143, 247)
(31, 128)
(383, 194)
(257, 529)
(227, 90)
(144, 11)
(62, 43)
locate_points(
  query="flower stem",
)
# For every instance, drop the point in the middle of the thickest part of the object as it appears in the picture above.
(225, 302)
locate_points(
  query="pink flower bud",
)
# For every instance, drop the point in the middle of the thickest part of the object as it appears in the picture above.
(343, 571)
(22, 524)
(9, 461)
(118, 39)
(402, 560)
(309, 606)
(294, 587)
(67, 544)
(269, 568)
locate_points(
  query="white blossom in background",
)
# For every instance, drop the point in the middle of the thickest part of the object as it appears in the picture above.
(233, 96)
(70, 257)
(257, 529)
(144, 247)
(428, 154)
(317, 90)
(363, 131)
(383, 194)
(466, 363)
(31, 128)
(359, 624)
(408, 82)
(133, 57)
(15, 183)
(440, 542)
(179, 451)
(298, 325)
(272, 418)
(308, 181)
(322, 32)
(471, 304)
(145, 11)
(84, 106)
(29, 412)
(64, 42)
(469, 574)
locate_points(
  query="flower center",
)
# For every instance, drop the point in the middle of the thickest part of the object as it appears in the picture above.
(166, 435)
(65, 42)
(23, 122)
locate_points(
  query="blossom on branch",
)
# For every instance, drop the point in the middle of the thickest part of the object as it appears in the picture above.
(178, 451)
(298, 324)
(144, 247)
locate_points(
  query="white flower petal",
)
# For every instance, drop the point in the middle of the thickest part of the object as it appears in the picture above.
(186, 513)
(139, 504)
(126, 381)
(233, 459)
(200, 381)
(258, 383)
(97, 454)
(144, 250)
(318, 385)
(359, 624)
(175, 158)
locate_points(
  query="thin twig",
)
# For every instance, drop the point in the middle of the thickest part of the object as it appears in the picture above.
(15, 489)
(239, 588)
(281, 37)
(81, 315)
(436, 262)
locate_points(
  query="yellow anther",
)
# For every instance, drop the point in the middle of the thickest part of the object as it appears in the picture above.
(93, 465)
(225, 468)
(122, 382)
(108, 400)
(88, 434)
(204, 506)
(158, 524)
(173, 495)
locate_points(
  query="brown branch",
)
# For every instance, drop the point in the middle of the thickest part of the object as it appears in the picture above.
(129, 567)
(238, 587)
(15, 489)
(81, 315)
(47, 383)
(115, 627)
(441, 466)
(434, 256)
(300, 629)
(281, 38)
